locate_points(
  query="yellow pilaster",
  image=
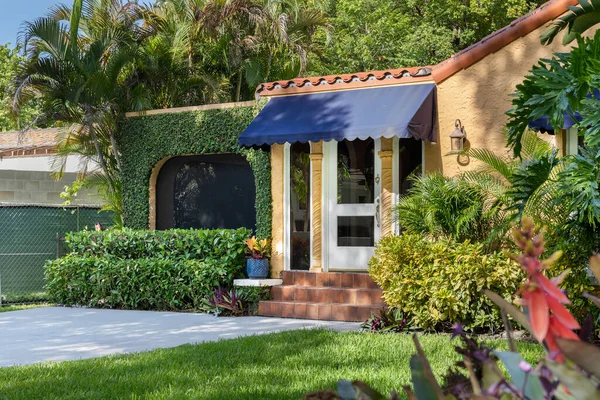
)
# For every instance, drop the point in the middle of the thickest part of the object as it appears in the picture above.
(277, 230)
(387, 186)
(316, 216)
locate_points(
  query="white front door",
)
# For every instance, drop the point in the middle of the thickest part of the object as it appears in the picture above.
(352, 193)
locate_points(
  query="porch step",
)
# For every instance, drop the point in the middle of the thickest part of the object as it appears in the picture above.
(336, 296)
(329, 279)
(318, 311)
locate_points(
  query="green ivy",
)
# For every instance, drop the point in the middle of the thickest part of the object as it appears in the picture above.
(145, 140)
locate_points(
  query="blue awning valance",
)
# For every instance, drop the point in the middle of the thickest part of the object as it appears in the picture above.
(405, 111)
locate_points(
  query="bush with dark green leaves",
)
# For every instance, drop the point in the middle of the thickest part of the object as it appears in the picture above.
(438, 283)
(140, 284)
(146, 270)
(190, 244)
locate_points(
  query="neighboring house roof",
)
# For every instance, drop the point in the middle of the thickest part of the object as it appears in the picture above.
(437, 73)
(32, 142)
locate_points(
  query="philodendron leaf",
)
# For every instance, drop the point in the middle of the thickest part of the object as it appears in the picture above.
(513, 311)
(585, 355)
(528, 383)
(423, 389)
(579, 385)
(346, 390)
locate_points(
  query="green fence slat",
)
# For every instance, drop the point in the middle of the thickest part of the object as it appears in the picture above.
(28, 238)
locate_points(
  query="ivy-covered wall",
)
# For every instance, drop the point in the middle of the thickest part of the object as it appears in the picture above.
(145, 140)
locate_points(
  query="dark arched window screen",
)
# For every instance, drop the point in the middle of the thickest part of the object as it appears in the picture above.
(210, 191)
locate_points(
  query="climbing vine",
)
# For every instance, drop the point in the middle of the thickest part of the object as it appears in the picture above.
(145, 140)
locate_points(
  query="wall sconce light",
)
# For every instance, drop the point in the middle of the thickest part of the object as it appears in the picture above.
(457, 138)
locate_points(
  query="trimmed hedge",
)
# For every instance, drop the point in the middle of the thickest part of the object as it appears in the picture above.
(146, 140)
(438, 283)
(146, 270)
(141, 284)
(191, 244)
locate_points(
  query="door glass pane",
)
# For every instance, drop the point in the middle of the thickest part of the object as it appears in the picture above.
(356, 231)
(299, 205)
(355, 174)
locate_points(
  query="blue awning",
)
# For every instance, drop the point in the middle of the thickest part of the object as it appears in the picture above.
(543, 124)
(405, 111)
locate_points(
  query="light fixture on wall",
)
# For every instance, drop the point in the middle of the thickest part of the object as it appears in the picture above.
(457, 138)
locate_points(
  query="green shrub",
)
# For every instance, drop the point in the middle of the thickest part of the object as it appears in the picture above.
(439, 283)
(459, 208)
(141, 284)
(188, 244)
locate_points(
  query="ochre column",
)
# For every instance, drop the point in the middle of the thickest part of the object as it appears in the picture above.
(277, 230)
(152, 193)
(387, 186)
(316, 215)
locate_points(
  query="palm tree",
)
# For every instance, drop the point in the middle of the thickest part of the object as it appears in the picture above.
(77, 60)
(482, 205)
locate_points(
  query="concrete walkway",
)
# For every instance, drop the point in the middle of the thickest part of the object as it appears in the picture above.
(58, 334)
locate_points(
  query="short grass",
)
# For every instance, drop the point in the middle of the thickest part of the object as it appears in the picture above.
(21, 307)
(278, 366)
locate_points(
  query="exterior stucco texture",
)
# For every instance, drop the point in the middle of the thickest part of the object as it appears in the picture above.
(480, 97)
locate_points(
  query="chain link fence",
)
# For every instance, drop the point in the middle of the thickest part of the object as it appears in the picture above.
(30, 236)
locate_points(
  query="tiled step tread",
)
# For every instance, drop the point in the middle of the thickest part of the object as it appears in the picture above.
(329, 279)
(298, 293)
(318, 311)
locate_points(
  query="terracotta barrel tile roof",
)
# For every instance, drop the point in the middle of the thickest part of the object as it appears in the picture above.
(346, 81)
(29, 140)
(463, 59)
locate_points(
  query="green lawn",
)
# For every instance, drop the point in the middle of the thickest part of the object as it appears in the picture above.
(277, 366)
(21, 307)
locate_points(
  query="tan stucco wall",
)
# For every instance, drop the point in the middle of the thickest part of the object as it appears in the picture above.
(277, 232)
(480, 96)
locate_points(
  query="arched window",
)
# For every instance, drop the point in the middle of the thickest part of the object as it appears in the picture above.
(206, 191)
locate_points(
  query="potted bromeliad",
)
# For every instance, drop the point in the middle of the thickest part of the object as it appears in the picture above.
(258, 253)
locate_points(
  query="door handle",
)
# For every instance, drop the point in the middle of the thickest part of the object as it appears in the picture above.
(377, 216)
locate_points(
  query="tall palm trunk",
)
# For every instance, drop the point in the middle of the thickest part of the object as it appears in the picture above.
(89, 121)
(238, 88)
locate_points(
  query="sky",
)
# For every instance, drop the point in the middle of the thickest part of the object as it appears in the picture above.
(14, 12)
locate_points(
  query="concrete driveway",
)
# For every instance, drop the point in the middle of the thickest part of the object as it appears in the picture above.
(58, 334)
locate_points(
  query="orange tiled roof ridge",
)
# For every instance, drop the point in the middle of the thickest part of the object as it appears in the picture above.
(31, 139)
(437, 73)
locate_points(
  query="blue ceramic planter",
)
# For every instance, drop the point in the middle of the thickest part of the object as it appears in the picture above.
(257, 268)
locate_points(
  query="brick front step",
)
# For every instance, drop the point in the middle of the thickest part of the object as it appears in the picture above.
(354, 280)
(338, 295)
(318, 311)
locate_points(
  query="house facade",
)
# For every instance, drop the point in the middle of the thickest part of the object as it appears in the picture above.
(341, 150)
(356, 178)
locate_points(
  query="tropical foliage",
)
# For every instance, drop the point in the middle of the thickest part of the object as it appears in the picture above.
(481, 205)
(9, 66)
(569, 369)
